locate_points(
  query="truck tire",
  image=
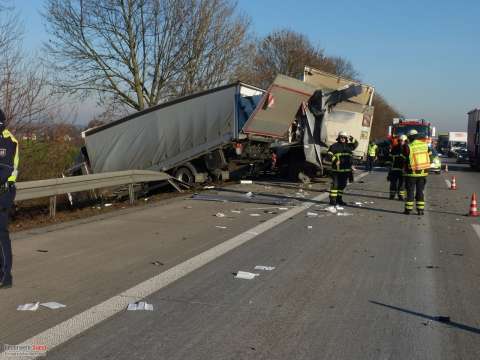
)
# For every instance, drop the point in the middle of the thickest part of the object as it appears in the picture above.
(185, 175)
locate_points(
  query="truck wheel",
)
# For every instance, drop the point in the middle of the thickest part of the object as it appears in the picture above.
(184, 174)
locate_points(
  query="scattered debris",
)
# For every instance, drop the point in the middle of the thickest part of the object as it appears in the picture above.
(254, 214)
(249, 194)
(245, 182)
(220, 214)
(42, 251)
(243, 198)
(312, 214)
(309, 227)
(245, 275)
(29, 307)
(457, 254)
(209, 187)
(331, 209)
(187, 207)
(432, 267)
(220, 227)
(339, 208)
(344, 214)
(265, 268)
(107, 205)
(53, 305)
(358, 203)
(283, 208)
(236, 211)
(157, 263)
(139, 306)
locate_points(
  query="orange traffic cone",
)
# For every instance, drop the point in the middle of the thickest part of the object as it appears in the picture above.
(473, 205)
(446, 167)
(454, 184)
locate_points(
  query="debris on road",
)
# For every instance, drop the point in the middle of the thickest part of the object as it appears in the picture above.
(249, 194)
(245, 275)
(157, 263)
(53, 305)
(140, 306)
(283, 208)
(331, 209)
(246, 182)
(312, 214)
(236, 211)
(339, 208)
(263, 199)
(209, 187)
(265, 268)
(344, 214)
(220, 214)
(358, 203)
(29, 307)
(42, 251)
(220, 227)
(309, 227)
(108, 204)
(254, 214)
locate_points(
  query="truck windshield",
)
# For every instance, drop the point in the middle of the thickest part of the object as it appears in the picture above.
(423, 130)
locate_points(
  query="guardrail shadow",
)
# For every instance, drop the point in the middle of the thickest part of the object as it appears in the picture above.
(440, 319)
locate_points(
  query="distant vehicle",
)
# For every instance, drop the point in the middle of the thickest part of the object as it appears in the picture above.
(462, 156)
(456, 141)
(402, 127)
(473, 138)
(436, 163)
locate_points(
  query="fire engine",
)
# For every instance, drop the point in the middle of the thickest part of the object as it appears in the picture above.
(402, 126)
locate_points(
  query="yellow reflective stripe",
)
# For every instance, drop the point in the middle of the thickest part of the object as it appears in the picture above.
(419, 158)
(16, 159)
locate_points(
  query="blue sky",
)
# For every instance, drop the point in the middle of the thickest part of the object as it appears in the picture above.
(423, 55)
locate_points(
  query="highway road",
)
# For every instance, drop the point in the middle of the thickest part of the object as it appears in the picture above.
(370, 284)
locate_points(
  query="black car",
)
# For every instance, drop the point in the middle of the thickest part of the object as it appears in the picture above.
(462, 156)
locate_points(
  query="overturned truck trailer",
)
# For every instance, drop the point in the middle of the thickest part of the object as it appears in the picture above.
(193, 137)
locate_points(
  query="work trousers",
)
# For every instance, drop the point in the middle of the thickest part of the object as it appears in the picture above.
(397, 184)
(6, 202)
(339, 183)
(370, 162)
(415, 187)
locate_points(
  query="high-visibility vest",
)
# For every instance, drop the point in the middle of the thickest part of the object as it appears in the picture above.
(418, 159)
(13, 176)
(372, 150)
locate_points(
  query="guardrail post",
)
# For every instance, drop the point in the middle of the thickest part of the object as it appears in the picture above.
(53, 206)
(131, 194)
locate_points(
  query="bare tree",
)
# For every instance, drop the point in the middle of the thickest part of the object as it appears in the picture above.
(24, 92)
(141, 52)
(287, 52)
(382, 117)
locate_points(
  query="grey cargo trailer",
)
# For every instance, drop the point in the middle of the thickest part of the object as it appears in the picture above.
(186, 135)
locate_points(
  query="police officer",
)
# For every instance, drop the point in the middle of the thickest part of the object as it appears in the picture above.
(371, 155)
(396, 162)
(8, 176)
(417, 157)
(340, 155)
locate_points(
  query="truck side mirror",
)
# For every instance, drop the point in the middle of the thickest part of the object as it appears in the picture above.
(434, 131)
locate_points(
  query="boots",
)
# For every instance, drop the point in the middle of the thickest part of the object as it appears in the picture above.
(333, 201)
(420, 212)
(340, 201)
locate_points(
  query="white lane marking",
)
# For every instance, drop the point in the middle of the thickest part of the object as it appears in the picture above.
(476, 227)
(79, 323)
(449, 184)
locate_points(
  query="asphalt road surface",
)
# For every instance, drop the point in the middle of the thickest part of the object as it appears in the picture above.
(371, 284)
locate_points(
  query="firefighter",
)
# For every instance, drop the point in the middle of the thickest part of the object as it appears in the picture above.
(396, 162)
(340, 154)
(8, 176)
(417, 163)
(371, 155)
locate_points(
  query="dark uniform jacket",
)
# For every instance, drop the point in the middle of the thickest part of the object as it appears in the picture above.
(397, 159)
(341, 155)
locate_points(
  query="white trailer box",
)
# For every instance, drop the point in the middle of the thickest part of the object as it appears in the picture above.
(355, 116)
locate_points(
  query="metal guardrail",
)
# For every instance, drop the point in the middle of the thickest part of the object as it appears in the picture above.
(28, 190)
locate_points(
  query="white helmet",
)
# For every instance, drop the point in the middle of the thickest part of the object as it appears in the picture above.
(412, 132)
(342, 134)
(403, 137)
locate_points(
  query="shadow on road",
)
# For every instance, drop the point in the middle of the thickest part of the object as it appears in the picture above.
(441, 319)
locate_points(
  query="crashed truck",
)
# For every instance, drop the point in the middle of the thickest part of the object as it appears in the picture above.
(215, 132)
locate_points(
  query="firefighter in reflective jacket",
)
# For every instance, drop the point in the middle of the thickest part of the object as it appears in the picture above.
(416, 172)
(371, 155)
(396, 162)
(340, 154)
(8, 177)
